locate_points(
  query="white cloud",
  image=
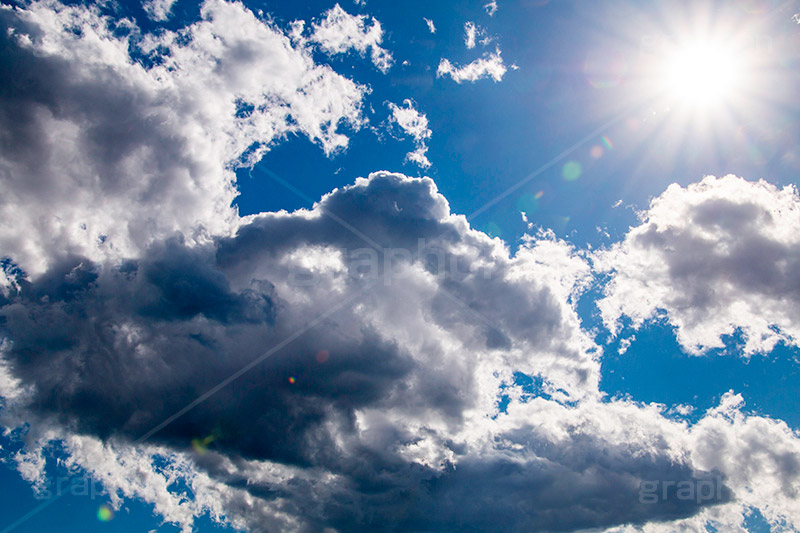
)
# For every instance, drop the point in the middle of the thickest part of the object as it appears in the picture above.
(625, 343)
(431, 26)
(340, 32)
(470, 33)
(716, 256)
(759, 456)
(110, 156)
(415, 124)
(419, 156)
(488, 66)
(158, 10)
(491, 7)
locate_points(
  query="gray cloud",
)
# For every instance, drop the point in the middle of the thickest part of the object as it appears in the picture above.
(389, 410)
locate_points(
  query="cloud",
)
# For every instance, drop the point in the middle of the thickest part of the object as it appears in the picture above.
(760, 459)
(470, 32)
(158, 10)
(102, 155)
(488, 66)
(431, 26)
(491, 7)
(717, 257)
(760, 455)
(394, 368)
(340, 32)
(417, 356)
(415, 124)
(401, 328)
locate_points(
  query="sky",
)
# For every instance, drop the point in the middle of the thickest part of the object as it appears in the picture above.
(400, 266)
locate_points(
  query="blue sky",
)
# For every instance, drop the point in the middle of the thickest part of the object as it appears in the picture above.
(399, 265)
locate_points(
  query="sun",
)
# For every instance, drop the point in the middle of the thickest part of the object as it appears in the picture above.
(702, 73)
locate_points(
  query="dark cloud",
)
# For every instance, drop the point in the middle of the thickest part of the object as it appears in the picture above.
(112, 350)
(120, 350)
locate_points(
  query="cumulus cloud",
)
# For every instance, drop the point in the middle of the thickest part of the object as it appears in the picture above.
(717, 257)
(339, 32)
(430, 24)
(385, 331)
(396, 379)
(415, 124)
(102, 155)
(491, 7)
(488, 66)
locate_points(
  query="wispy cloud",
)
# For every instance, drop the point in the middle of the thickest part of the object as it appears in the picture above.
(474, 34)
(415, 124)
(470, 33)
(488, 66)
(431, 25)
(158, 10)
(491, 7)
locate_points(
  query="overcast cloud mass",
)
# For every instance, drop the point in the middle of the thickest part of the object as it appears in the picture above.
(392, 367)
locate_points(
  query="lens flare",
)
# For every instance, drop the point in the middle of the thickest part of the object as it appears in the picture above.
(105, 513)
(493, 229)
(200, 446)
(572, 170)
(604, 69)
(527, 203)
